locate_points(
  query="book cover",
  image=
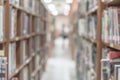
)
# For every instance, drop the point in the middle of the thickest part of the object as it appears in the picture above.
(13, 21)
(1, 20)
(12, 57)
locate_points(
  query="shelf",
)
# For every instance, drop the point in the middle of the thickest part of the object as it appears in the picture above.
(111, 45)
(93, 10)
(89, 39)
(21, 67)
(25, 37)
(24, 10)
(113, 3)
(24, 64)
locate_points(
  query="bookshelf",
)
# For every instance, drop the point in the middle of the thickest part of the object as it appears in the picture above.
(23, 50)
(104, 37)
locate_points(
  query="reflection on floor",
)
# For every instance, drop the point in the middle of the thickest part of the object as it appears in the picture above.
(60, 66)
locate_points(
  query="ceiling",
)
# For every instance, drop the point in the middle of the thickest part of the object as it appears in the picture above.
(58, 7)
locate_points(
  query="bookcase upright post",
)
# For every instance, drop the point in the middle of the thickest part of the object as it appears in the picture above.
(6, 32)
(99, 40)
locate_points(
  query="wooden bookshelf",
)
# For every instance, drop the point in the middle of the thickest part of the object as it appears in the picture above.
(28, 28)
(100, 41)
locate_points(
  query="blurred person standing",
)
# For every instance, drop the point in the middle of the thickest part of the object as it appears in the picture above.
(65, 35)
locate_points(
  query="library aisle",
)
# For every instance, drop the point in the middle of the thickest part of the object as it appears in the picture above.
(60, 66)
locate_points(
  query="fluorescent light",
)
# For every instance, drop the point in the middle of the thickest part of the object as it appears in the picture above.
(67, 7)
(47, 1)
(51, 7)
(69, 1)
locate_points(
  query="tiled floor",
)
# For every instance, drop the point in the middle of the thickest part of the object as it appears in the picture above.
(60, 66)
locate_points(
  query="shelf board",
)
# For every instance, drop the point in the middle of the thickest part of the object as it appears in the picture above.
(89, 39)
(93, 10)
(24, 10)
(112, 45)
(25, 37)
(113, 3)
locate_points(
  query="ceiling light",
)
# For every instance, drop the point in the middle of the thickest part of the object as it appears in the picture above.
(51, 7)
(47, 1)
(67, 7)
(69, 1)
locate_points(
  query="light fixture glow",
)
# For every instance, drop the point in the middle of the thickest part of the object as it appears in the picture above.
(51, 7)
(69, 1)
(67, 7)
(47, 1)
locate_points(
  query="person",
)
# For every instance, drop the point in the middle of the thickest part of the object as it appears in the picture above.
(65, 35)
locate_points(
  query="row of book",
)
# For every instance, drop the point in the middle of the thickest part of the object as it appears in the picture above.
(92, 4)
(107, 0)
(25, 20)
(110, 64)
(87, 5)
(87, 27)
(110, 25)
(32, 5)
(86, 60)
(24, 54)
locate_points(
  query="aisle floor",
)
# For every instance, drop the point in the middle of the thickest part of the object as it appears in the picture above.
(60, 66)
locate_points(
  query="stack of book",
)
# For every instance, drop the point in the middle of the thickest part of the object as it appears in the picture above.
(110, 25)
(86, 63)
(87, 27)
(110, 67)
(1, 20)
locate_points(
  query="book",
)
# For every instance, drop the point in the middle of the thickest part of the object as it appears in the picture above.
(25, 24)
(24, 54)
(37, 25)
(117, 72)
(32, 47)
(12, 57)
(25, 74)
(3, 68)
(110, 26)
(16, 2)
(37, 43)
(13, 21)
(37, 61)
(1, 20)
